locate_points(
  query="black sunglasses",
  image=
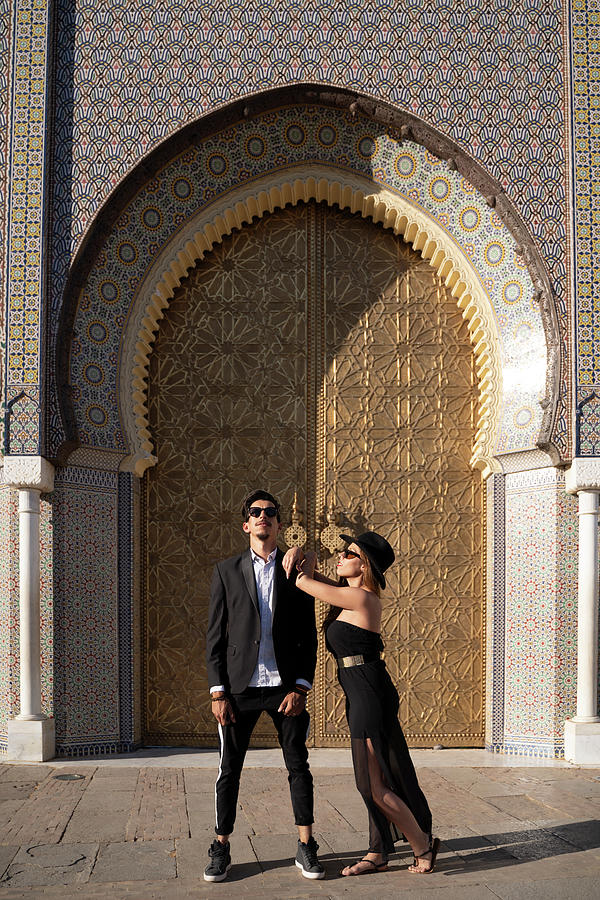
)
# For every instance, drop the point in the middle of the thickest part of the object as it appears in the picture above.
(257, 511)
(350, 554)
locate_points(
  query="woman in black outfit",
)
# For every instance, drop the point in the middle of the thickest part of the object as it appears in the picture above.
(384, 772)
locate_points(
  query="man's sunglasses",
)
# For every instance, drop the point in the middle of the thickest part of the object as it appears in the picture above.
(257, 511)
(350, 554)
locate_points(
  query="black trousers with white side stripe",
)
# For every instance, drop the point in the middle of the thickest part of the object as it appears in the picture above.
(292, 732)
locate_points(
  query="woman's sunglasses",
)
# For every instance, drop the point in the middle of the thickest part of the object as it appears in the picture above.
(350, 554)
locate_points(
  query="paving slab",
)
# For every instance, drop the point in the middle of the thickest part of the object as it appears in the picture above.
(159, 809)
(201, 813)
(119, 773)
(523, 806)
(582, 835)
(454, 805)
(277, 851)
(130, 861)
(51, 864)
(105, 816)
(16, 772)
(200, 781)
(531, 844)
(584, 888)
(16, 790)
(43, 817)
(8, 808)
(7, 854)
(343, 846)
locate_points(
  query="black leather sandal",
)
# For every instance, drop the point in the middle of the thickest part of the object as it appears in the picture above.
(434, 846)
(377, 867)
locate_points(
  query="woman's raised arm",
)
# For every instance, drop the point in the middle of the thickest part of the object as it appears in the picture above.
(344, 597)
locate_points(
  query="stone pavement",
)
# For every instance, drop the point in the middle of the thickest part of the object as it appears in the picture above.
(139, 827)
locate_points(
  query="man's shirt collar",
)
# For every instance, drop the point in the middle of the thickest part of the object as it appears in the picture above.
(270, 557)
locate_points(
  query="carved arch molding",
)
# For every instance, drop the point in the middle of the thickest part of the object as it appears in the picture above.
(317, 352)
(233, 166)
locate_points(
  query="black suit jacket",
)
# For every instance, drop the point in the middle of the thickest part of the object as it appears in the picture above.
(233, 634)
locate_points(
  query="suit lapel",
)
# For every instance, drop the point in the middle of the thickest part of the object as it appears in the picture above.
(248, 572)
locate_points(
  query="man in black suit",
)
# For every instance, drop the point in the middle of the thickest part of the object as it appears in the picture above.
(261, 655)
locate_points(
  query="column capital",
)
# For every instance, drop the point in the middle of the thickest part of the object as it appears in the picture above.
(583, 475)
(29, 472)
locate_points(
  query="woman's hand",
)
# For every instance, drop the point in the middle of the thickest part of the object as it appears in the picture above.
(291, 559)
(307, 565)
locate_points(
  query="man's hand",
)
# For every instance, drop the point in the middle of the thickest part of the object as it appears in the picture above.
(292, 704)
(223, 711)
(291, 559)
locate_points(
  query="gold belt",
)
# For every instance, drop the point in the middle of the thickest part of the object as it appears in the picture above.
(359, 660)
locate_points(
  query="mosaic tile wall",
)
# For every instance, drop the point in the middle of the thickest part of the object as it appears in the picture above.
(47, 634)
(489, 74)
(129, 610)
(540, 682)
(86, 608)
(586, 160)
(287, 138)
(5, 32)
(9, 606)
(495, 627)
(26, 189)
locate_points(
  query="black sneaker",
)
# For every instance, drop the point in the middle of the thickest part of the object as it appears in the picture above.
(220, 862)
(306, 859)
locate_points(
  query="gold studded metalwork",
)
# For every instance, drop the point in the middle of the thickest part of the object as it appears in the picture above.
(317, 352)
(295, 535)
(397, 423)
(228, 412)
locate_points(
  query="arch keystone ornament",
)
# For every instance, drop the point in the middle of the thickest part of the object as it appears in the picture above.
(383, 163)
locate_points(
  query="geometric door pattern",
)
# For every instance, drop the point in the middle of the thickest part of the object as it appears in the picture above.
(399, 412)
(315, 352)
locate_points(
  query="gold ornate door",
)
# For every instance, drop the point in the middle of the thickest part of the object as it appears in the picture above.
(316, 352)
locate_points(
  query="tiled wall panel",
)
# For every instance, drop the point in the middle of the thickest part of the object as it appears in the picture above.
(5, 31)
(9, 605)
(586, 211)
(9, 608)
(489, 73)
(495, 617)
(86, 666)
(541, 612)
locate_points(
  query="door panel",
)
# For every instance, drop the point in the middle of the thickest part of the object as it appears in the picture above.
(399, 403)
(316, 352)
(228, 413)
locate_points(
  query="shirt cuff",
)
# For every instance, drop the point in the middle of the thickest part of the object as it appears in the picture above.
(217, 687)
(304, 683)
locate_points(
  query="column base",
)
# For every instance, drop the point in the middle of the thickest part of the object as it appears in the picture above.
(582, 742)
(31, 741)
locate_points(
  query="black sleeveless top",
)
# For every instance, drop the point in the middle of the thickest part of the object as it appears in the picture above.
(346, 639)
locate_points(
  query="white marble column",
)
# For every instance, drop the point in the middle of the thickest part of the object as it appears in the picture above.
(31, 734)
(582, 731)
